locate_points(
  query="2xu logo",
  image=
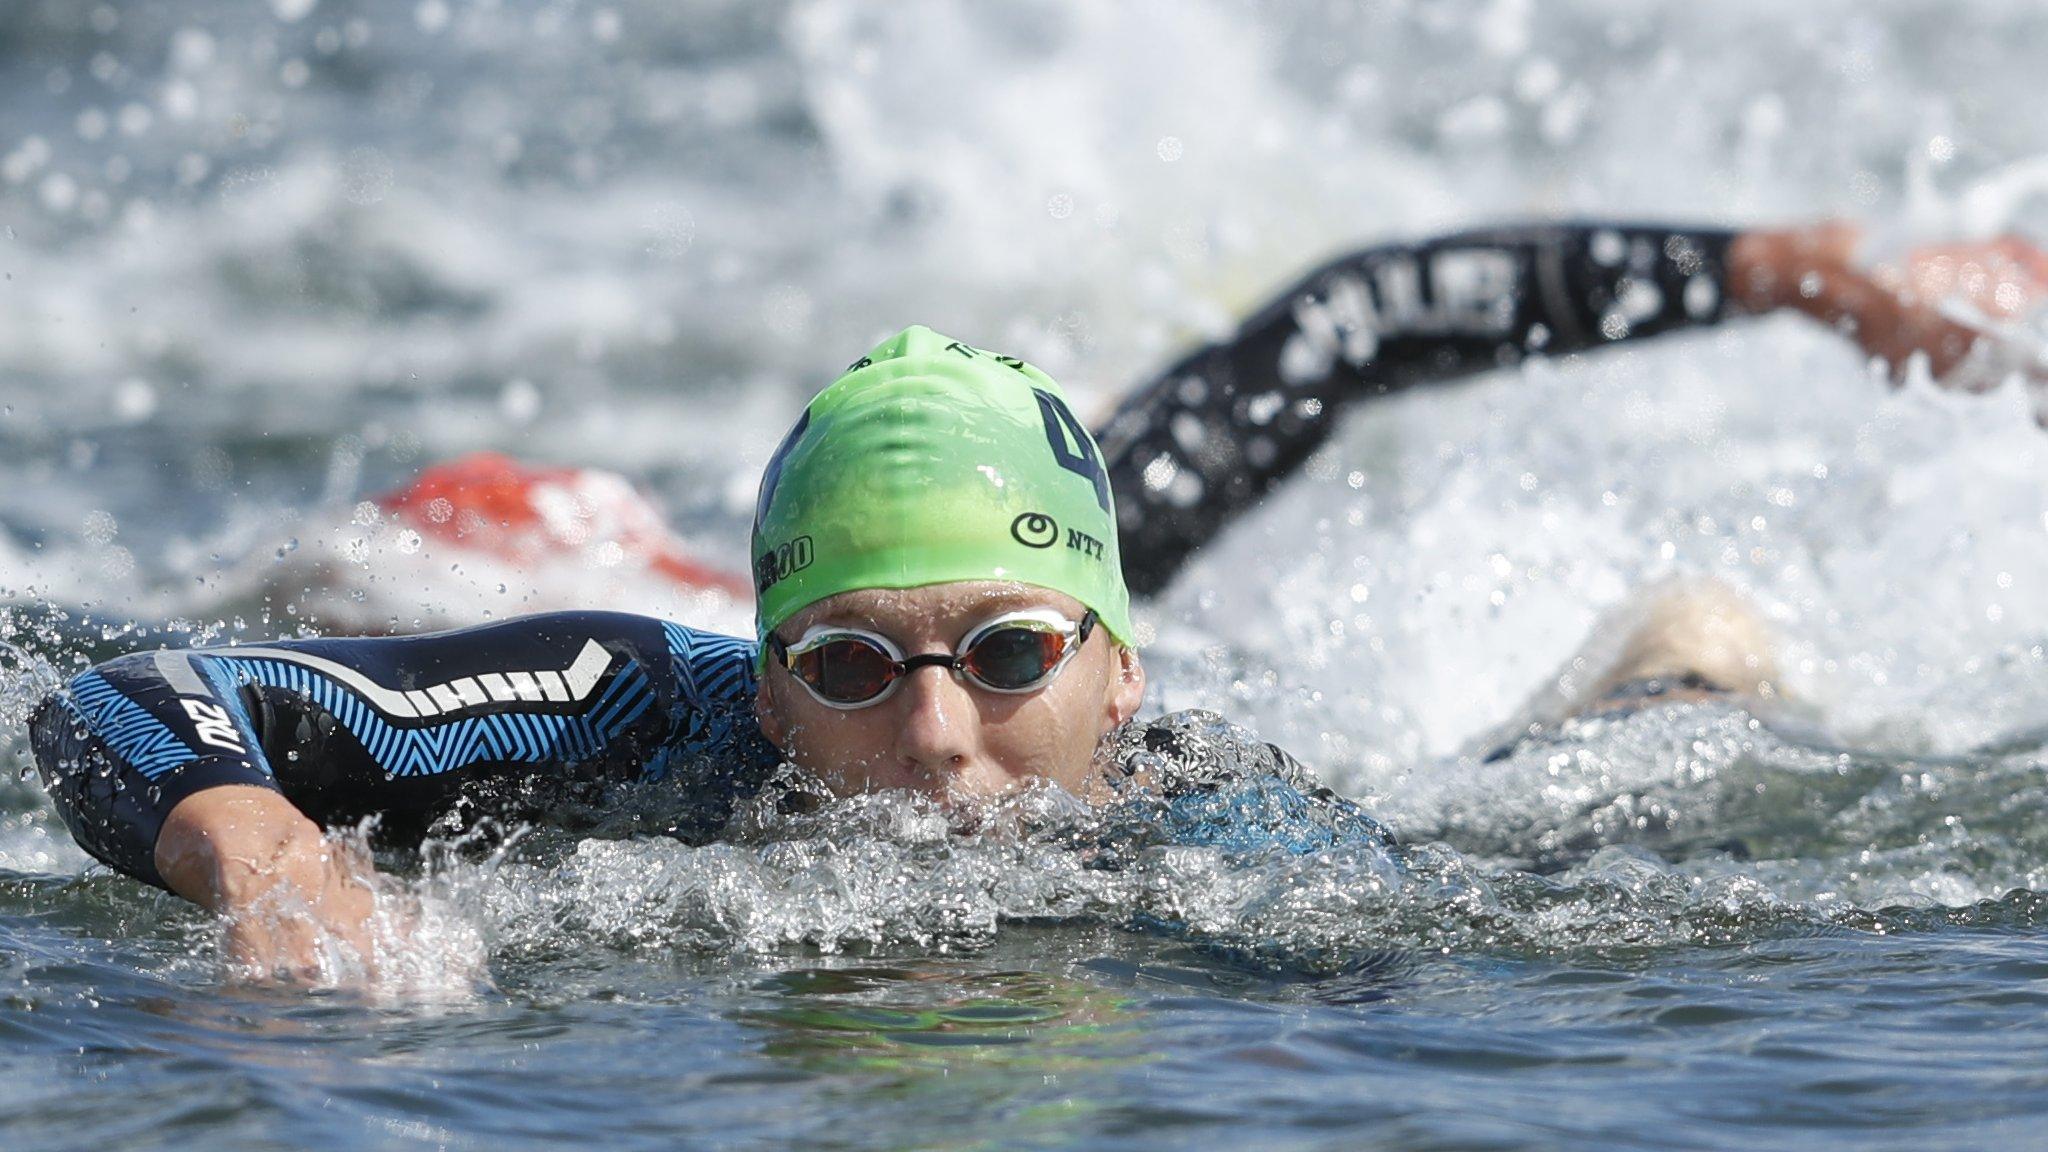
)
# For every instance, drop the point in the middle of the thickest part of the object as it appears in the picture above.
(213, 725)
(773, 567)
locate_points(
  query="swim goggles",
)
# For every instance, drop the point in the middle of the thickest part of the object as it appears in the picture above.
(1015, 653)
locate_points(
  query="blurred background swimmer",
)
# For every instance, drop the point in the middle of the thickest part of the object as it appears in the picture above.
(1187, 450)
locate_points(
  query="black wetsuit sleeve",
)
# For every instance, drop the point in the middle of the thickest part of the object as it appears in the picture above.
(513, 719)
(1211, 435)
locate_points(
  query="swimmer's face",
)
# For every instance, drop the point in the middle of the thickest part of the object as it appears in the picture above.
(938, 733)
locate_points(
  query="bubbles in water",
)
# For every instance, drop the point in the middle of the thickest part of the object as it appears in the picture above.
(292, 11)
(671, 230)
(135, 400)
(59, 192)
(1170, 148)
(116, 563)
(890, 869)
(24, 160)
(519, 401)
(366, 176)
(244, 188)
(192, 50)
(788, 311)
(1186, 237)
(135, 119)
(432, 15)
(100, 527)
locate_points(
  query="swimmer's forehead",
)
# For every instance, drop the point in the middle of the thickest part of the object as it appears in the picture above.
(943, 610)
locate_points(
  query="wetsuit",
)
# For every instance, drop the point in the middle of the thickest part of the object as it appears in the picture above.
(539, 717)
(521, 720)
(1205, 439)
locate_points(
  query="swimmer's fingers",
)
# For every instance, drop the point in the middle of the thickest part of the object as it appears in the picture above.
(2024, 253)
(1891, 325)
(2002, 277)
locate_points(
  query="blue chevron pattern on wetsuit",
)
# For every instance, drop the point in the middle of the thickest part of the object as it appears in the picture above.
(139, 739)
(508, 737)
(508, 718)
(711, 667)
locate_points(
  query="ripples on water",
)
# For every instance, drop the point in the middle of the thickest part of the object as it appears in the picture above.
(266, 260)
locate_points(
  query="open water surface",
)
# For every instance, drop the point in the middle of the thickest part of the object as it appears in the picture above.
(264, 260)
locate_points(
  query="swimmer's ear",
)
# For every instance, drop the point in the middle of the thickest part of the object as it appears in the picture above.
(767, 718)
(1128, 693)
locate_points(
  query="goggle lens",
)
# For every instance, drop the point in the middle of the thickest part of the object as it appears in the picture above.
(1014, 657)
(845, 669)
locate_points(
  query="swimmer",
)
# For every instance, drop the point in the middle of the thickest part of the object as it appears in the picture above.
(1188, 451)
(942, 606)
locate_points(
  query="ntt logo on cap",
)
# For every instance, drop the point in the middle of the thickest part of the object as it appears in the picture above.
(1035, 530)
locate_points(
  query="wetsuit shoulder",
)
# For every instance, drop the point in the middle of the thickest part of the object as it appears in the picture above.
(1203, 781)
(509, 719)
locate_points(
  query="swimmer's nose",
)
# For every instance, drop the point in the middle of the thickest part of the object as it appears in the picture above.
(937, 733)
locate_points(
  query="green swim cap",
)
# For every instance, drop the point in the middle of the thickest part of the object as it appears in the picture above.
(928, 462)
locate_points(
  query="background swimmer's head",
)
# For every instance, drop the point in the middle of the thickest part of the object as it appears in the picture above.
(931, 488)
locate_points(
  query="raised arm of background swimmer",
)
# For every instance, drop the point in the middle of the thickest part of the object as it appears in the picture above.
(1211, 435)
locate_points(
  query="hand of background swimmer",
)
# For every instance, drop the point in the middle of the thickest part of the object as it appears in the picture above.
(295, 905)
(1893, 308)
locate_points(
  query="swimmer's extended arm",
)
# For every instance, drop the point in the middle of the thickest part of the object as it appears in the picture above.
(211, 772)
(1222, 426)
(159, 773)
(1210, 436)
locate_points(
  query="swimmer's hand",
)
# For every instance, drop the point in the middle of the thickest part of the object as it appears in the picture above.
(1923, 301)
(295, 906)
